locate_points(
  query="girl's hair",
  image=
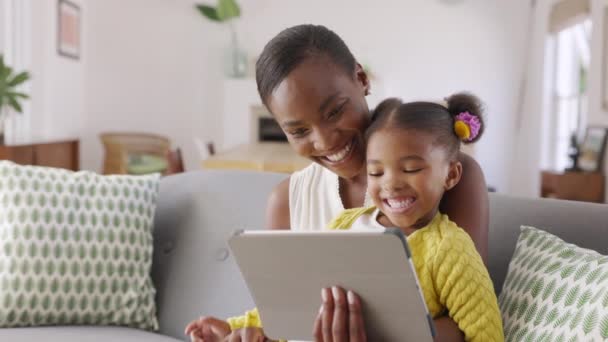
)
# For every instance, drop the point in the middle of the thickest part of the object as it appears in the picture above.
(430, 117)
(294, 45)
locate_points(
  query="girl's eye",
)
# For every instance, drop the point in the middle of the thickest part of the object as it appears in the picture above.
(412, 170)
(374, 174)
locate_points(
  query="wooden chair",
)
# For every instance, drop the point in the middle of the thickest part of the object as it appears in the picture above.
(123, 148)
(176, 163)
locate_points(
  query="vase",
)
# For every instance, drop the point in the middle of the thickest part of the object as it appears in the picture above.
(235, 57)
(3, 116)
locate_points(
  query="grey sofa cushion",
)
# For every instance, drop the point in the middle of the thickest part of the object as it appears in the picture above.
(583, 224)
(192, 270)
(80, 334)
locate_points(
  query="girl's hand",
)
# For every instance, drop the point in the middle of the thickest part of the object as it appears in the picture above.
(340, 318)
(208, 329)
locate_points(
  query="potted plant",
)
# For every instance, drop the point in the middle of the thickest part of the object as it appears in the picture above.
(227, 11)
(10, 97)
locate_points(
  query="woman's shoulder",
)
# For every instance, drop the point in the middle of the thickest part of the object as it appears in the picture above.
(312, 178)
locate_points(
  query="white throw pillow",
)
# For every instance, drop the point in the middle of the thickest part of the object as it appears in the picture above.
(554, 291)
(75, 248)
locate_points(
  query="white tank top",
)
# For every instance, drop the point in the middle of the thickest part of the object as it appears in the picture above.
(314, 198)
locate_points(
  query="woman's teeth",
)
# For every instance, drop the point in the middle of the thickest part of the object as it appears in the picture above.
(340, 155)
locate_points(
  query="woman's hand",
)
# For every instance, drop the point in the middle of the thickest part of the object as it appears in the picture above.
(340, 318)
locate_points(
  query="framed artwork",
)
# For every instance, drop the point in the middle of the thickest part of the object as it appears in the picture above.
(68, 29)
(605, 62)
(591, 150)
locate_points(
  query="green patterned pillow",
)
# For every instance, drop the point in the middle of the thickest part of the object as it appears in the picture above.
(554, 291)
(75, 248)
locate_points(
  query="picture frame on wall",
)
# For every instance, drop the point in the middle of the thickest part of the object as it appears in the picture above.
(591, 150)
(68, 29)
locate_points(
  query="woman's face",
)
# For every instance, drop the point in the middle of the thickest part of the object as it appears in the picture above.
(323, 112)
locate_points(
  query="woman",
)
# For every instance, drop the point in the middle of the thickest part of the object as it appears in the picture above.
(315, 89)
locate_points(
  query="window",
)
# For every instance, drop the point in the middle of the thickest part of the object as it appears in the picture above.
(571, 51)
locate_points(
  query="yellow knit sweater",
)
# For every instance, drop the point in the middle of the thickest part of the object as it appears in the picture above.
(451, 273)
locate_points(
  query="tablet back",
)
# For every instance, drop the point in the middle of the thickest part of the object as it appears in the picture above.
(285, 272)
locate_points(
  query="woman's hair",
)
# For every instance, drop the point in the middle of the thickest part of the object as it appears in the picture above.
(433, 118)
(291, 47)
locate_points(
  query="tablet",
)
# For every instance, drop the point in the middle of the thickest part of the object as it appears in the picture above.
(286, 270)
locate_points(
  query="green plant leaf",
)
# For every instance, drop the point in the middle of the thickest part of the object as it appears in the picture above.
(551, 316)
(540, 316)
(559, 293)
(591, 277)
(572, 295)
(577, 319)
(537, 287)
(13, 103)
(18, 95)
(561, 321)
(228, 9)
(520, 334)
(20, 78)
(523, 306)
(584, 299)
(209, 12)
(604, 327)
(531, 312)
(549, 289)
(590, 321)
(513, 307)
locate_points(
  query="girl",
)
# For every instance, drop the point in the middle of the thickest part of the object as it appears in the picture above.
(412, 161)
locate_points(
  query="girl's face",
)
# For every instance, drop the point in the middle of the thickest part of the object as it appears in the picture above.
(323, 112)
(407, 174)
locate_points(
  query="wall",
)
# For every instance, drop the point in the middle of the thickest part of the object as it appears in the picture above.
(152, 66)
(57, 88)
(598, 115)
(164, 74)
(422, 49)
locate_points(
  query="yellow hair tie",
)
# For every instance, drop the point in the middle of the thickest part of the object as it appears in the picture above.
(463, 131)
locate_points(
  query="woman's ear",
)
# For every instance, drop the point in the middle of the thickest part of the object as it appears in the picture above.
(454, 174)
(362, 79)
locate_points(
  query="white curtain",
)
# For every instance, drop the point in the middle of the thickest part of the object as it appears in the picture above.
(15, 30)
(529, 135)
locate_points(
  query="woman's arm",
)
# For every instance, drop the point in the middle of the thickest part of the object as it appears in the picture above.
(467, 204)
(277, 207)
(447, 330)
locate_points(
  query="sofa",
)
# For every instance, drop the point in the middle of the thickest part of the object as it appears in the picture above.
(194, 273)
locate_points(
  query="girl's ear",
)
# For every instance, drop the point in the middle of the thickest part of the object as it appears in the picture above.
(454, 174)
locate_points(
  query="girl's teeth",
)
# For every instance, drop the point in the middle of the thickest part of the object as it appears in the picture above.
(336, 157)
(398, 204)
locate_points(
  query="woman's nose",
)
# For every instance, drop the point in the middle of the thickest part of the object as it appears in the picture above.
(323, 140)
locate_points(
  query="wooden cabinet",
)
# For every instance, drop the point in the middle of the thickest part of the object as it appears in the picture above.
(575, 186)
(62, 154)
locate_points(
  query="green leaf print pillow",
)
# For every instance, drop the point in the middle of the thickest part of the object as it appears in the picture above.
(75, 248)
(554, 291)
